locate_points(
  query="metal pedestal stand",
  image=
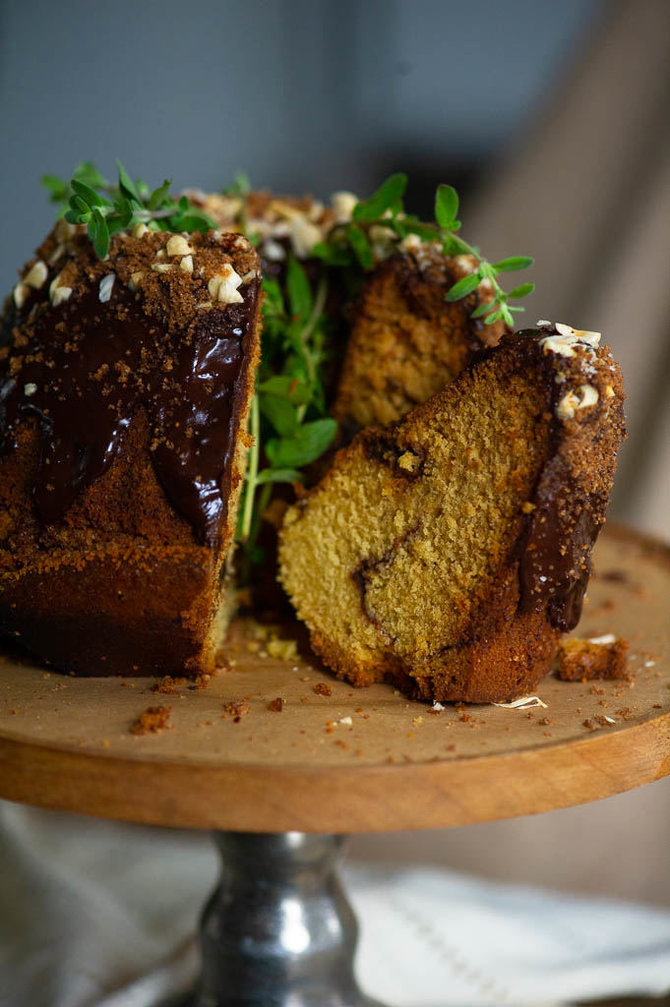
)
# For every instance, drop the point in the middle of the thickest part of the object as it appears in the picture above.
(278, 930)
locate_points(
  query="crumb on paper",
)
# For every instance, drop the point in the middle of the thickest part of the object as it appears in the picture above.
(276, 705)
(322, 689)
(154, 720)
(603, 657)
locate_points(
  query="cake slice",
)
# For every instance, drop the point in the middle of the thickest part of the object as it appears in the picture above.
(448, 552)
(407, 342)
(124, 393)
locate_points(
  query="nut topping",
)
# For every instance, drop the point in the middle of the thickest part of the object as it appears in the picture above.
(178, 245)
(223, 286)
(36, 276)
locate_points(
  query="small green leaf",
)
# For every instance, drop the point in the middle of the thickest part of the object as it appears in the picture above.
(286, 387)
(453, 245)
(309, 443)
(361, 246)
(88, 194)
(279, 476)
(159, 196)
(513, 263)
(387, 197)
(332, 255)
(126, 184)
(446, 206)
(483, 309)
(426, 232)
(280, 413)
(99, 234)
(194, 220)
(521, 291)
(298, 289)
(274, 299)
(464, 287)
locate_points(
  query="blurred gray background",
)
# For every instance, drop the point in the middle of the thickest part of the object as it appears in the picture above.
(303, 95)
(553, 119)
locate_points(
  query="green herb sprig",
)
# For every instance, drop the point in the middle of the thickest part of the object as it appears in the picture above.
(349, 244)
(289, 424)
(108, 208)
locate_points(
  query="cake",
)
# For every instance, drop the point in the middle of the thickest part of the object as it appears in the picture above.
(407, 342)
(125, 386)
(584, 660)
(403, 341)
(448, 552)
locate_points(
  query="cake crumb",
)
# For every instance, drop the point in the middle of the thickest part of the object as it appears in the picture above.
(154, 720)
(168, 685)
(322, 689)
(237, 709)
(597, 658)
(276, 705)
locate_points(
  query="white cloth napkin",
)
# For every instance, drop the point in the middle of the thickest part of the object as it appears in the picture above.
(101, 914)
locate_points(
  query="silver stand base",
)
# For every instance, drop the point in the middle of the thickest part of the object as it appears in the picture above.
(278, 931)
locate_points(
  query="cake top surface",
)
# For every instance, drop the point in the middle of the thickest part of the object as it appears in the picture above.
(158, 324)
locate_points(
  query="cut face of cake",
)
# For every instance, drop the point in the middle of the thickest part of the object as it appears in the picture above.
(124, 393)
(407, 342)
(448, 552)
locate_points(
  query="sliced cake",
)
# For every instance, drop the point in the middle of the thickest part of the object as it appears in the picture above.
(448, 552)
(407, 341)
(124, 393)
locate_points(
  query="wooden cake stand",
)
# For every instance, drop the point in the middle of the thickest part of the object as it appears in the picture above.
(279, 758)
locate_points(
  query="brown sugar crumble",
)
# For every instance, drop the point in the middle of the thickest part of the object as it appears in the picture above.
(154, 720)
(598, 658)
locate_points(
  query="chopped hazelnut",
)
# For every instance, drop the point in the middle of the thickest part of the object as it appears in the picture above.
(106, 287)
(20, 294)
(58, 293)
(343, 206)
(178, 245)
(186, 264)
(223, 286)
(139, 230)
(36, 276)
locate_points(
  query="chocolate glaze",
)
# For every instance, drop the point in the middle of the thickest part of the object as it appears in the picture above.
(95, 365)
(554, 550)
(555, 558)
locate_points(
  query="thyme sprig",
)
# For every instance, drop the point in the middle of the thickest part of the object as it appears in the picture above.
(107, 208)
(289, 424)
(353, 243)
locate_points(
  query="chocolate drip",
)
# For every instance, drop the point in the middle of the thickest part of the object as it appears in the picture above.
(90, 366)
(555, 559)
(555, 550)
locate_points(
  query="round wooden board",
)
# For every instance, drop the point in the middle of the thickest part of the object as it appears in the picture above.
(354, 760)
